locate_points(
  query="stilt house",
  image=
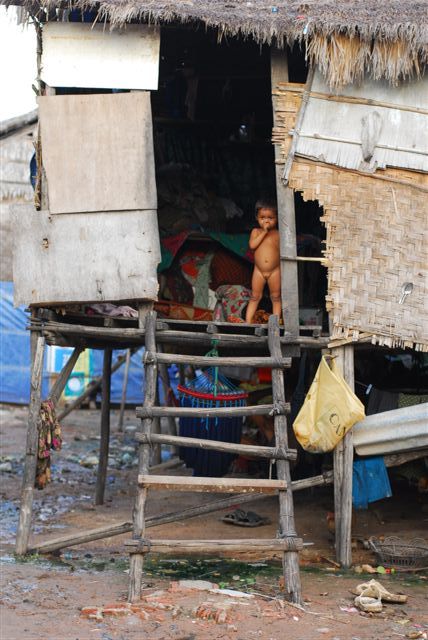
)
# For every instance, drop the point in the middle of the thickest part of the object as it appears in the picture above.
(125, 86)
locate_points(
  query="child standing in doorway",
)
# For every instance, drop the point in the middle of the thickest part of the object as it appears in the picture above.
(264, 241)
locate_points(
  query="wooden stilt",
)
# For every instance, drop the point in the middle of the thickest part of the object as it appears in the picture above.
(61, 381)
(150, 377)
(124, 387)
(26, 506)
(343, 458)
(105, 428)
(286, 508)
(286, 217)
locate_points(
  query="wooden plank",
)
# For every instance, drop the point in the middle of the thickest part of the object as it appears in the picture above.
(217, 445)
(343, 458)
(286, 506)
(139, 519)
(154, 521)
(201, 412)
(61, 381)
(26, 503)
(221, 361)
(211, 485)
(106, 148)
(105, 428)
(249, 545)
(286, 214)
(77, 54)
(122, 264)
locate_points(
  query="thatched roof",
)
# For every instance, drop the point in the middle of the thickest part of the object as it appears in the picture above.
(327, 24)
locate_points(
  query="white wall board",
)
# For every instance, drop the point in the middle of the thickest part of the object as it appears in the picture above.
(82, 55)
(97, 152)
(108, 256)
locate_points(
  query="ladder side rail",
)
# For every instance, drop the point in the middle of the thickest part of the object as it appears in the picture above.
(150, 376)
(286, 507)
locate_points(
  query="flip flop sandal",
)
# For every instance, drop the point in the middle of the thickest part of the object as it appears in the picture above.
(368, 604)
(242, 518)
(375, 589)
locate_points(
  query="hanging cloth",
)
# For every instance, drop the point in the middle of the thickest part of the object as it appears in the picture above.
(49, 439)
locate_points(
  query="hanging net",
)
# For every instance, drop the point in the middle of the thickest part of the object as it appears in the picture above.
(210, 389)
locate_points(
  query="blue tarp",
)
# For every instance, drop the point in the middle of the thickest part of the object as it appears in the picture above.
(15, 359)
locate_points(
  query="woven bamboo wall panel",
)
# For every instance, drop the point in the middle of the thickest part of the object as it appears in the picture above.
(377, 239)
(287, 104)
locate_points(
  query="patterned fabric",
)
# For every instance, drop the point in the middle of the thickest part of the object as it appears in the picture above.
(232, 300)
(49, 438)
(227, 268)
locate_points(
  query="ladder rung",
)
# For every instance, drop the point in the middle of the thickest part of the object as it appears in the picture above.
(212, 485)
(215, 412)
(221, 361)
(217, 445)
(214, 546)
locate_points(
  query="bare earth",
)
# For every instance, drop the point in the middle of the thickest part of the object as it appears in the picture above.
(44, 597)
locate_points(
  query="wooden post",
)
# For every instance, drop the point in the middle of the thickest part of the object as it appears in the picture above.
(343, 458)
(61, 381)
(26, 506)
(286, 216)
(150, 379)
(124, 387)
(286, 508)
(105, 428)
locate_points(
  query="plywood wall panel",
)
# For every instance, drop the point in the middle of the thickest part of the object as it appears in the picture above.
(86, 257)
(98, 152)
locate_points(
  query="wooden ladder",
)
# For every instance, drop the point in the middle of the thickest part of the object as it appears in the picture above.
(287, 540)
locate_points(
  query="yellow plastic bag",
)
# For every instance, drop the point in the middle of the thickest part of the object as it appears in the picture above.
(330, 409)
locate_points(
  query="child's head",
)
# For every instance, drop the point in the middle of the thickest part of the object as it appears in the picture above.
(266, 214)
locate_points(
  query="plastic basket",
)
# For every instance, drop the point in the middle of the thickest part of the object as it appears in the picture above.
(400, 554)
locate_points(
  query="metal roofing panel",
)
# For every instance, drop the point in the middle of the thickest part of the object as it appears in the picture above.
(332, 130)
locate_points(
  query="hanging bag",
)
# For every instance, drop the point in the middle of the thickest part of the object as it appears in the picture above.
(330, 409)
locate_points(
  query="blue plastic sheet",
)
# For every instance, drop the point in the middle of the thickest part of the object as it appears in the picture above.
(15, 360)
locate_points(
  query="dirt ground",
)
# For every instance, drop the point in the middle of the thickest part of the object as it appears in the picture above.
(45, 597)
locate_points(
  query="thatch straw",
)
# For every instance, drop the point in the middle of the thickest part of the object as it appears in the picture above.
(370, 29)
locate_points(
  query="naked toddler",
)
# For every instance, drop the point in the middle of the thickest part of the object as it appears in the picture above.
(264, 241)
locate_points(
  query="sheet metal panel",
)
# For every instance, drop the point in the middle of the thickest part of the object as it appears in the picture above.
(93, 56)
(87, 257)
(332, 131)
(392, 431)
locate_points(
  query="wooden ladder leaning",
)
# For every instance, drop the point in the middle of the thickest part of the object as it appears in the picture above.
(287, 541)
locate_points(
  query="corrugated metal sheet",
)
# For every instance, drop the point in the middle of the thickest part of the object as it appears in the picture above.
(332, 130)
(392, 431)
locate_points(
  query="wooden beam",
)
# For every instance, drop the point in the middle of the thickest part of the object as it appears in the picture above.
(30, 464)
(105, 428)
(217, 445)
(286, 507)
(220, 361)
(212, 485)
(343, 459)
(221, 412)
(61, 381)
(202, 547)
(286, 215)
